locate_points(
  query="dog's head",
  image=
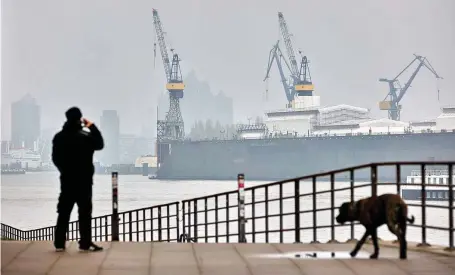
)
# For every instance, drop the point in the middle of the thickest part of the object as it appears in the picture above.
(346, 212)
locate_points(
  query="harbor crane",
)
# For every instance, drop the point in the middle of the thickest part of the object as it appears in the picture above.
(396, 92)
(300, 83)
(172, 128)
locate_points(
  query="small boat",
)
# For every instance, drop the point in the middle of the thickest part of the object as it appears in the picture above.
(433, 193)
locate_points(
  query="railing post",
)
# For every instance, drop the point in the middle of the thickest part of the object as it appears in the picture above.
(315, 213)
(398, 185)
(160, 225)
(114, 218)
(241, 196)
(195, 228)
(177, 222)
(297, 210)
(216, 219)
(332, 208)
(184, 234)
(351, 187)
(253, 216)
(281, 212)
(451, 197)
(398, 178)
(423, 207)
(227, 218)
(374, 180)
(206, 221)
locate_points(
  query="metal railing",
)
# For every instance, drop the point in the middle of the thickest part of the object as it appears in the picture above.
(156, 223)
(294, 210)
(301, 210)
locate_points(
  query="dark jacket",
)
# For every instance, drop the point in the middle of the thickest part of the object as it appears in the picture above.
(73, 149)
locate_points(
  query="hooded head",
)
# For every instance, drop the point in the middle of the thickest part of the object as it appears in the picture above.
(73, 115)
(73, 119)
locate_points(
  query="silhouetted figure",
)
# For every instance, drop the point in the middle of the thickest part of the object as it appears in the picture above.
(72, 153)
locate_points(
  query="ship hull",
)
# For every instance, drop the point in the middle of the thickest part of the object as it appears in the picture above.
(431, 194)
(277, 159)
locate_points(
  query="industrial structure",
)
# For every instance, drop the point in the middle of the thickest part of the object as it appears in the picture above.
(299, 89)
(172, 127)
(307, 138)
(392, 101)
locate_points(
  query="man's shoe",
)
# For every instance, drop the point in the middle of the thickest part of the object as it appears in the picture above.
(91, 248)
(59, 249)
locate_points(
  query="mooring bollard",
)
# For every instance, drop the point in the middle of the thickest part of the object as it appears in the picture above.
(114, 218)
(242, 220)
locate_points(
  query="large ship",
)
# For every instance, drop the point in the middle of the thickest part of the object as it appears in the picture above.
(21, 158)
(296, 142)
(433, 193)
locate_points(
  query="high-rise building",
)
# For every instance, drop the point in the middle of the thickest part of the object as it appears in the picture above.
(110, 129)
(25, 123)
(6, 145)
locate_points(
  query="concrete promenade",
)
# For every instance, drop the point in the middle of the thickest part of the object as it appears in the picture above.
(29, 258)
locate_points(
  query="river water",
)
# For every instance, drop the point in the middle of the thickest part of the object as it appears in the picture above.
(29, 201)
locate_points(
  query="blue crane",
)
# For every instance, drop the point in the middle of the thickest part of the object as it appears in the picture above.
(277, 56)
(300, 84)
(396, 92)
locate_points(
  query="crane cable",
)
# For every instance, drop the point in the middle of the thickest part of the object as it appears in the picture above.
(438, 87)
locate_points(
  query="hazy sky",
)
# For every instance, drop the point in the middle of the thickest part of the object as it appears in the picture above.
(99, 54)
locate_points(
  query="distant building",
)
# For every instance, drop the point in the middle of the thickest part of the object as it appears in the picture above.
(131, 147)
(25, 123)
(6, 145)
(110, 129)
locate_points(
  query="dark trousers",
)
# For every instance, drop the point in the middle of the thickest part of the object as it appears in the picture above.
(81, 194)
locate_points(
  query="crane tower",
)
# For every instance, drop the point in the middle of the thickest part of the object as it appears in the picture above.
(299, 90)
(396, 92)
(172, 128)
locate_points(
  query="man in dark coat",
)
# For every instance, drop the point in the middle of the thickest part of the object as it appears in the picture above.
(72, 153)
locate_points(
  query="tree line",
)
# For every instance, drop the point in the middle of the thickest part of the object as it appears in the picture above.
(214, 130)
(210, 130)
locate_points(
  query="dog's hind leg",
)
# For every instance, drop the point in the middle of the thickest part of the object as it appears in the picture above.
(402, 239)
(360, 243)
(393, 221)
(397, 226)
(374, 236)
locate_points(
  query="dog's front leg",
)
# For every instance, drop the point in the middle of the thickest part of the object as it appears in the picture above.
(374, 236)
(360, 243)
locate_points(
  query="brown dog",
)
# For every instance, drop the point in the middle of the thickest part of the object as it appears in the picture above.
(373, 212)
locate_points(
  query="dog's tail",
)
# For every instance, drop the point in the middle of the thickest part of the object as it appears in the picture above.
(403, 214)
(410, 220)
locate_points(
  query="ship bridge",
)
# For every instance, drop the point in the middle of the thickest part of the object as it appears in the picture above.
(302, 121)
